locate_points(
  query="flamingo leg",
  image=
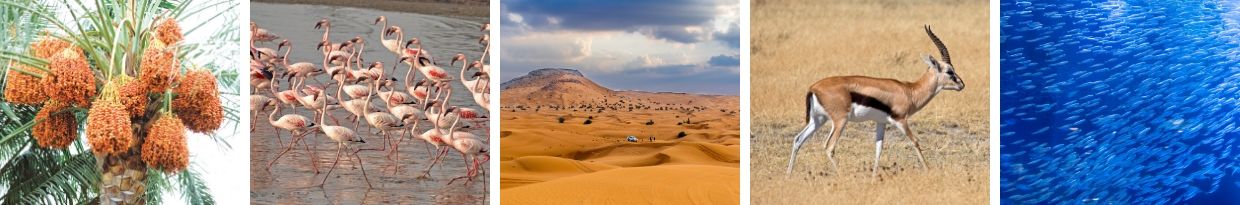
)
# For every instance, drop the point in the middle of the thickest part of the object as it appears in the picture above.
(427, 172)
(329, 171)
(314, 165)
(286, 149)
(281, 141)
(363, 166)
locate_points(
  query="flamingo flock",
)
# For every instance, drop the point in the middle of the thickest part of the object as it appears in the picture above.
(421, 110)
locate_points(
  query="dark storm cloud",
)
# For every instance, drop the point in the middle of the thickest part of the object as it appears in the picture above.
(661, 19)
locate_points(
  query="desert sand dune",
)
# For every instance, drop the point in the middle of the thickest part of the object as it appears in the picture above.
(672, 184)
(687, 148)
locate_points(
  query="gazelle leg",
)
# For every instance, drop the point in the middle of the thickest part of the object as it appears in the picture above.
(878, 146)
(837, 129)
(815, 116)
(904, 127)
(810, 128)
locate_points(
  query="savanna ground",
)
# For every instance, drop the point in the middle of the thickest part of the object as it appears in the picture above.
(797, 42)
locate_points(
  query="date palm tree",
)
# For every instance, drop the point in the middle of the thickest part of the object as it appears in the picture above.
(113, 36)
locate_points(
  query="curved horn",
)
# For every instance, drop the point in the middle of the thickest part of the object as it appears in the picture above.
(939, 43)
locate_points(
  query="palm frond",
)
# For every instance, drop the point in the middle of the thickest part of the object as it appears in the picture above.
(43, 176)
(193, 188)
(156, 184)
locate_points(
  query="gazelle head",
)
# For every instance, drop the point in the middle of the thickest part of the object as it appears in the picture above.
(945, 76)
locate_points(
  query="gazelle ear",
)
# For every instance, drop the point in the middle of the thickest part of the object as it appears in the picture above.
(934, 64)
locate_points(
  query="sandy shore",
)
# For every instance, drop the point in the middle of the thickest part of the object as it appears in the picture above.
(884, 39)
(472, 9)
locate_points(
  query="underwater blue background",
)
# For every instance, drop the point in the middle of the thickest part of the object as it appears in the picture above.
(1120, 102)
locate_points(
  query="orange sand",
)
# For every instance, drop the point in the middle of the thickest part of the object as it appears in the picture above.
(547, 162)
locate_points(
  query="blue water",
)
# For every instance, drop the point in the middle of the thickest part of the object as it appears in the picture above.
(1120, 102)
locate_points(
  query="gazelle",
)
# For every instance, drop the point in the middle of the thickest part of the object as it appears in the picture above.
(885, 101)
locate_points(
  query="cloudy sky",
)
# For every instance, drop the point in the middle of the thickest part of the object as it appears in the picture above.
(651, 45)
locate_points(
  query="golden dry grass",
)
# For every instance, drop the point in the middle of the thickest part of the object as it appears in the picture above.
(797, 42)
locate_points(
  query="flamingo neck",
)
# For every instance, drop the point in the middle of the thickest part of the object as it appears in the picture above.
(463, 69)
(366, 108)
(327, 29)
(271, 118)
(486, 49)
(383, 37)
(452, 128)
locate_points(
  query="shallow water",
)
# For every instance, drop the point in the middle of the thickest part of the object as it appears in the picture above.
(291, 180)
(1119, 102)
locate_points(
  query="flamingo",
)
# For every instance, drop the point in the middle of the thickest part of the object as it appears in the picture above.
(406, 51)
(295, 124)
(268, 55)
(450, 137)
(356, 106)
(425, 65)
(287, 97)
(439, 118)
(381, 120)
(419, 91)
(407, 114)
(483, 96)
(446, 118)
(260, 77)
(259, 103)
(471, 84)
(392, 45)
(342, 136)
(485, 40)
(472, 148)
(325, 42)
(313, 101)
(262, 35)
(327, 29)
(300, 69)
(333, 51)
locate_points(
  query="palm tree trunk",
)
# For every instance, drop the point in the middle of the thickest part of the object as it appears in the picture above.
(124, 180)
(124, 176)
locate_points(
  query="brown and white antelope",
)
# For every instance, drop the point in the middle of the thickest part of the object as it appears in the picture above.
(841, 99)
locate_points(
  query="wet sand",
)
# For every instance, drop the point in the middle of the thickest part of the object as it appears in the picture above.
(292, 181)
